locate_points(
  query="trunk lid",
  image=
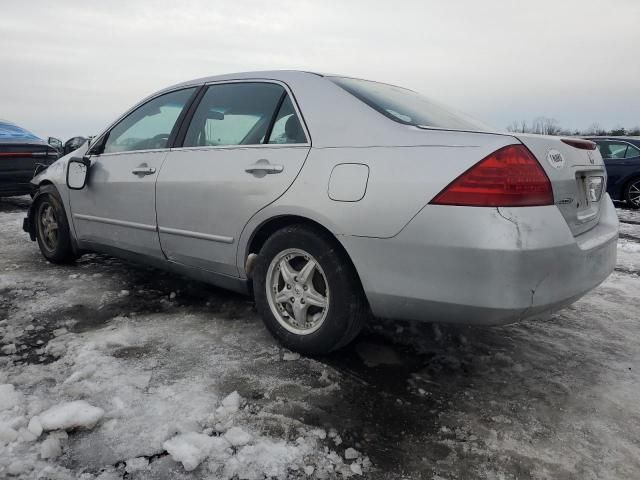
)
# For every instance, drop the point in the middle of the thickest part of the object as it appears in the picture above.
(578, 178)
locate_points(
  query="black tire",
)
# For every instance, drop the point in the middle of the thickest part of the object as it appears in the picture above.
(631, 194)
(58, 249)
(347, 307)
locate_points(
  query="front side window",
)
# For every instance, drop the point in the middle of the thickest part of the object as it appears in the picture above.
(234, 114)
(149, 126)
(406, 106)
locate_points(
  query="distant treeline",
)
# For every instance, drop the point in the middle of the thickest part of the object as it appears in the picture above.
(549, 126)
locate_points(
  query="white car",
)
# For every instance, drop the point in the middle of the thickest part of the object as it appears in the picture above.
(333, 198)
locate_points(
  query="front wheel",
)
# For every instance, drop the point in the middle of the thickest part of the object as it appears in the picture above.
(52, 228)
(307, 291)
(632, 194)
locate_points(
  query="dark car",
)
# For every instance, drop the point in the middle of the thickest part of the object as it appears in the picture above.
(622, 158)
(20, 153)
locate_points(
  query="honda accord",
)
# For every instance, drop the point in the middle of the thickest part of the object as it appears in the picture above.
(331, 199)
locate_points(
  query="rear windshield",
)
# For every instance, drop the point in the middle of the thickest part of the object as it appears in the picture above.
(9, 130)
(406, 106)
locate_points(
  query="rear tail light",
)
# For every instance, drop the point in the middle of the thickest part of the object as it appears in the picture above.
(16, 154)
(509, 177)
(580, 143)
(28, 154)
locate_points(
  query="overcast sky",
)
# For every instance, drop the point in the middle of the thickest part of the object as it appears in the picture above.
(70, 67)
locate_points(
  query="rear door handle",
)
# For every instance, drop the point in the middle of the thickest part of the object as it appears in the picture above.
(264, 167)
(143, 171)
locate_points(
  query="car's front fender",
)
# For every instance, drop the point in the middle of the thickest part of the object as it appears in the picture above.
(56, 175)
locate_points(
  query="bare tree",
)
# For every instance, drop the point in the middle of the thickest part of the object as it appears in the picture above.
(545, 126)
(549, 126)
(513, 127)
(595, 129)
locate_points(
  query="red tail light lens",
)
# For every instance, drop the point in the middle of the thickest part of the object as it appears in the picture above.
(509, 177)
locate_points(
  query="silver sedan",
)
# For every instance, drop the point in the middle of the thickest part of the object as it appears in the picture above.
(332, 199)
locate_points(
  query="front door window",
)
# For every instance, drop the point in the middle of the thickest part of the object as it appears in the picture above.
(149, 126)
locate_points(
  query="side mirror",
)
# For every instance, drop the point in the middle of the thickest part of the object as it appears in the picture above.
(215, 115)
(77, 172)
(55, 143)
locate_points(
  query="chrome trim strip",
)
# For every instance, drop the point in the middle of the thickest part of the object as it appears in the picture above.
(132, 152)
(111, 221)
(198, 235)
(240, 147)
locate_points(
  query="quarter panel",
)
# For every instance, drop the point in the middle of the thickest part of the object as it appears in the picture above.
(401, 181)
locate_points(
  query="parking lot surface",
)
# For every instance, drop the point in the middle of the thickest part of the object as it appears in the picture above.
(135, 373)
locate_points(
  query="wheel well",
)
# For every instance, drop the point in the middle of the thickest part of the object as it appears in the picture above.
(271, 226)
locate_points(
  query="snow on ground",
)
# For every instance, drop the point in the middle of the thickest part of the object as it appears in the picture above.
(114, 371)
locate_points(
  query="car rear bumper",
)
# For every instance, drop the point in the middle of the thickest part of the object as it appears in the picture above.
(483, 265)
(15, 182)
(11, 189)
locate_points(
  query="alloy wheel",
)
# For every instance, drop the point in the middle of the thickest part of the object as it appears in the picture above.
(297, 291)
(634, 193)
(48, 226)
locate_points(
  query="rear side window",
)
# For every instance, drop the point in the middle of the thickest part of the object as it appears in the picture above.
(287, 128)
(406, 106)
(234, 114)
(632, 152)
(612, 150)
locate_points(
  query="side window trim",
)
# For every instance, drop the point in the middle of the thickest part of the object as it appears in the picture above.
(98, 147)
(179, 141)
(177, 128)
(188, 112)
(272, 122)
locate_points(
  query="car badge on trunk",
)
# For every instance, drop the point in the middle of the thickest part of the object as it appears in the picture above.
(555, 159)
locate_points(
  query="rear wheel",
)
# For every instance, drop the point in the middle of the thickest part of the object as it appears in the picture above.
(307, 291)
(632, 193)
(52, 228)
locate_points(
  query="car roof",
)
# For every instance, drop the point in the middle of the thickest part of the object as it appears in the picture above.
(282, 75)
(12, 133)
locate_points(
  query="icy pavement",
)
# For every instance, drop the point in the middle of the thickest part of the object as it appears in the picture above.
(114, 371)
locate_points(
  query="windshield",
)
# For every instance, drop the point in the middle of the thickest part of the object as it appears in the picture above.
(406, 106)
(9, 130)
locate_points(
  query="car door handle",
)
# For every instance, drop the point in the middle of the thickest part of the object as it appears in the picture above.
(143, 171)
(264, 167)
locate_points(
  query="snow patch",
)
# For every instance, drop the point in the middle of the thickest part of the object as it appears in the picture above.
(7, 434)
(66, 416)
(136, 464)
(192, 448)
(237, 437)
(35, 427)
(270, 459)
(9, 398)
(351, 453)
(52, 447)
